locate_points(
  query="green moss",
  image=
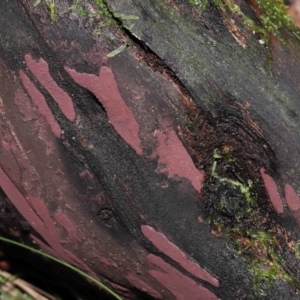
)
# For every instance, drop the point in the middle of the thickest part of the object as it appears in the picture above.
(101, 16)
(226, 155)
(297, 250)
(51, 6)
(36, 2)
(266, 264)
(52, 10)
(272, 16)
(101, 12)
(233, 209)
(229, 200)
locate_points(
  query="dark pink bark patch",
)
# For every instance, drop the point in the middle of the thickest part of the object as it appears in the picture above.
(120, 290)
(65, 255)
(168, 248)
(40, 69)
(20, 202)
(39, 101)
(5, 145)
(101, 258)
(174, 157)
(106, 90)
(139, 284)
(67, 224)
(181, 286)
(41, 210)
(292, 198)
(272, 190)
(27, 212)
(45, 248)
(43, 223)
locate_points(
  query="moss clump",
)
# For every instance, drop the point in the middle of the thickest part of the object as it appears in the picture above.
(51, 6)
(272, 16)
(228, 199)
(261, 249)
(52, 9)
(233, 209)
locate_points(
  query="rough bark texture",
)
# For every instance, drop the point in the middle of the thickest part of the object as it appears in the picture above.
(108, 160)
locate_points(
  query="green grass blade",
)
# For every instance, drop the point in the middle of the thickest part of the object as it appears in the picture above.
(103, 286)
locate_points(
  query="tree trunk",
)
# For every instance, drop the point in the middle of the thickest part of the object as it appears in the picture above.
(168, 170)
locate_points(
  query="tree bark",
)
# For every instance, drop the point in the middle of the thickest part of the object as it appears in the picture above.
(158, 169)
